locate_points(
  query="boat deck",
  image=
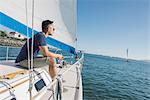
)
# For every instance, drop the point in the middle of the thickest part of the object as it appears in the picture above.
(69, 80)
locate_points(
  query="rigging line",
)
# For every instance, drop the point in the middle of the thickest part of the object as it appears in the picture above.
(26, 7)
(32, 50)
(31, 56)
(32, 34)
(27, 35)
(75, 18)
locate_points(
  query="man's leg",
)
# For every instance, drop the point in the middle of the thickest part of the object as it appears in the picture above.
(41, 62)
(52, 68)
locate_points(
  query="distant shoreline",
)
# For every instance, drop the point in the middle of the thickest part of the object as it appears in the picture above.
(148, 61)
(4, 41)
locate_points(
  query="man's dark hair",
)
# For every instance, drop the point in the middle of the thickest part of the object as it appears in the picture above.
(45, 24)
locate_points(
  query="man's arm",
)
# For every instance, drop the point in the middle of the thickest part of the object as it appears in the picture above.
(47, 53)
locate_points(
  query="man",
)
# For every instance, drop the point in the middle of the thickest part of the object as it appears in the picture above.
(40, 45)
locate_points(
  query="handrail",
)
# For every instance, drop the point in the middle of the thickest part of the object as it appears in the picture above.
(67, 70)
(61, 75)
(56, 80)
(7, 53)
(7, 57)
(10, 46)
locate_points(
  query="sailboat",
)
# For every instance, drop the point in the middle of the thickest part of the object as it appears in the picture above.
(25, 17)
(127, 51)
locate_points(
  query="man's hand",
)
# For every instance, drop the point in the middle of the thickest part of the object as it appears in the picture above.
(60, 57)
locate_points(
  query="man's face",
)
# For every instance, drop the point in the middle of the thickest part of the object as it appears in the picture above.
(51, 29)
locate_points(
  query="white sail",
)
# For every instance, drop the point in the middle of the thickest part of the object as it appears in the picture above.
(17, 15)
(62, 12)
(69, 15)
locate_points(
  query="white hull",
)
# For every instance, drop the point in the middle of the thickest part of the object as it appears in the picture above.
(18, 86)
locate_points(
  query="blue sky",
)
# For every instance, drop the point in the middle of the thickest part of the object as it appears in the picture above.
(109, 27)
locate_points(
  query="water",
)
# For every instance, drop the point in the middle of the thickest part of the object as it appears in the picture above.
(106, 78)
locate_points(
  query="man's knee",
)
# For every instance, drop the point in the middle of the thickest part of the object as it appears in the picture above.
(51, 61)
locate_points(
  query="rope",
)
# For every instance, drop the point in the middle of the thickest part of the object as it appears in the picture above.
(59, 88)
(59, 78)
(27, 35)
(8, 86)
(30, 64)
(31, 69)
(78, 76)
(32, 34)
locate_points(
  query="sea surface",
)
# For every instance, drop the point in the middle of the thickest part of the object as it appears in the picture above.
(109, 78)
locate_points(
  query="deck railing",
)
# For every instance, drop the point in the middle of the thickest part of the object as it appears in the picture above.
(9, 52)
(58, 79)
